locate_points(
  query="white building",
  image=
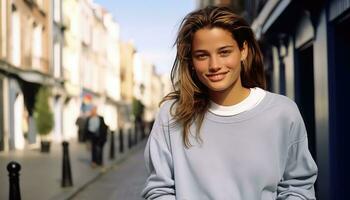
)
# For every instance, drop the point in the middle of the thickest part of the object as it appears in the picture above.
(91, 62)
(148, 86)
(111, 79)
(56, 46)
(71, 65)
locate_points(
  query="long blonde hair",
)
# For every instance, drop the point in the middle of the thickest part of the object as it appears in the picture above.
(191, 96)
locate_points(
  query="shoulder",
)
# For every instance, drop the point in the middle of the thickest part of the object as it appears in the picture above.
(102, 119)
(283, 104)
(283, 110)
(286, 111)
(164, 120)
(166, 109)
(290, 115)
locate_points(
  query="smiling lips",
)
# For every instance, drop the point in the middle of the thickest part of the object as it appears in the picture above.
(216, 77)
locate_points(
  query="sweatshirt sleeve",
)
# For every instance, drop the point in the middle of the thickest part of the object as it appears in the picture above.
(300, 170)
(158, 159)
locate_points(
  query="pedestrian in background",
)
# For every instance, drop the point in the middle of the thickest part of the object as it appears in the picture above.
(220, 134)
(81, 124)
(96, 131)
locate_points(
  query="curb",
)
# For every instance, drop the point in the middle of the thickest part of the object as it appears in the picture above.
(102, 172)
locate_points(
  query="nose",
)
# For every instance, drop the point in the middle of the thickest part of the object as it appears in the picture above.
(214, 64)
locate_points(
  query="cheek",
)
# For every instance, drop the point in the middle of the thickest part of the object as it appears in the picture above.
(233, 63)
(200, 66)
(200, 69)
(201, 77)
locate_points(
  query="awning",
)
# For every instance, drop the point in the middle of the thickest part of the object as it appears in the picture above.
(31, 76)
(268, 15)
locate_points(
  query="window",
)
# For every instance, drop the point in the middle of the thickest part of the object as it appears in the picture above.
(16, 37)
(57, 60)
(37, 47)
(57, 10)
(3, 35)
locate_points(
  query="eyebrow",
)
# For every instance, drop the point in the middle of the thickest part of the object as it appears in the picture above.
(221, 48)
(227, 46)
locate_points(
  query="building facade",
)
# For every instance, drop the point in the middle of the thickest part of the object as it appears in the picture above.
(148, 89)
(309, 64)
(127, 59)
(91, 62)
(56, 45)
(72, 70)
(25, 63)
(42, 43)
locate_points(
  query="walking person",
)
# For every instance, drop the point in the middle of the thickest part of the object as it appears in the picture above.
(220, 135)
(96, 131)
(80, 123)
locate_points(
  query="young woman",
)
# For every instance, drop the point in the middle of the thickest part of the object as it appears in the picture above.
(219, 135)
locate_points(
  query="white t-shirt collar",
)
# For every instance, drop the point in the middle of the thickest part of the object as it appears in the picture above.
(254, 98)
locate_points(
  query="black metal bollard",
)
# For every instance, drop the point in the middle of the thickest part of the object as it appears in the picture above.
(130, 142)
(13, 168)
(121, 140)
(143, 135)
(66, 169)
(111, 149)
(136, 132)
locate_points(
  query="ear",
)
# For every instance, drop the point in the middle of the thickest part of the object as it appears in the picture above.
(244, 51)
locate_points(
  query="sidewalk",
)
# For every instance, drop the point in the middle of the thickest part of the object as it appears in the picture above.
(123, 181)
(41, 174)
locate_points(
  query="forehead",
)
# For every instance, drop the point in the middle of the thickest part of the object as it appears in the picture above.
(212, 37)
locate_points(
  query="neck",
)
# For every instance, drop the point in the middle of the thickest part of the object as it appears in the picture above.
(231, 96)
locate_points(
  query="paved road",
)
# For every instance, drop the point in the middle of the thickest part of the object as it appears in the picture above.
(123, 182)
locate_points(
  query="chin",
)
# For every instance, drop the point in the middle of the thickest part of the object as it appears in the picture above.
(218, 88)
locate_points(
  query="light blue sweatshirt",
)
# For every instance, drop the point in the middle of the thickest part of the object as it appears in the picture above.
(260, 154)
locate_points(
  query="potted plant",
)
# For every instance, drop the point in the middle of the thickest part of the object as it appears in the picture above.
(43, 117)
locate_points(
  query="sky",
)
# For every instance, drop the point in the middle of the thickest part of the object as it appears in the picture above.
(152, 25)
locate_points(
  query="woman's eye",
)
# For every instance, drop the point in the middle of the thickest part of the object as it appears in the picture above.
(225, 53)
(201, 56)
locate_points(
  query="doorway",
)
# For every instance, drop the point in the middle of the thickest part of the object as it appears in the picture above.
(339, 73)
(305, 92)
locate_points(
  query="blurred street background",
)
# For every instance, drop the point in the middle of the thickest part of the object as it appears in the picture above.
(59, 58)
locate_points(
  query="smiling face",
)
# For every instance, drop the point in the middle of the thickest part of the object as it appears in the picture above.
(216, 58)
